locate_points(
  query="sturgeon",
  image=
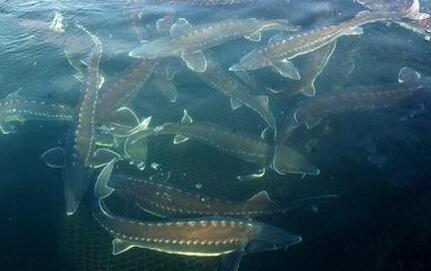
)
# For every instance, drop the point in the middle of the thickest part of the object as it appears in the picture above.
(167, 201)
(409, 9)
(80, 143)
(15, 108)
(225, 237)
(280, 50)
(311, 112)
(237, 91)
(282, 159)
(189, 42)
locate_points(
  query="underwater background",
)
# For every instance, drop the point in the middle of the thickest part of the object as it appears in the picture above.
(378, 162)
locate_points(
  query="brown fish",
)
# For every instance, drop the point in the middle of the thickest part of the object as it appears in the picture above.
(167, 201)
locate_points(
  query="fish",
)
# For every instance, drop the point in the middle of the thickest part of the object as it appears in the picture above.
(204, 2)
(16, 108)
(80, 143)
(403, 8)
(55, 33)
(188, 42)
(280, 50)
(238, 92)
(282, 159)
(170, 202)
(311, 112)
(225, 237)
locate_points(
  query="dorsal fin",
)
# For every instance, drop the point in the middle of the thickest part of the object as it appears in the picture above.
(186, 117)
(261, 197)
(180, 27)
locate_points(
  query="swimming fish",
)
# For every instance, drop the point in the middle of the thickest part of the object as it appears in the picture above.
(280, 50)
(15, 108)
(238, 92)
(80, 144)
(282, 159)
(167, 201)
(225, 237)
(311, 112)
(189, 42)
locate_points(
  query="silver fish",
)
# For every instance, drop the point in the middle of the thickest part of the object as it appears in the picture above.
(280, 50)
(282, 159)
(238, 92)
(189, 42)
(15, 108)
(225, 237)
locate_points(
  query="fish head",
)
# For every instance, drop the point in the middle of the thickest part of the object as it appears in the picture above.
(269, 238)
(289, 161)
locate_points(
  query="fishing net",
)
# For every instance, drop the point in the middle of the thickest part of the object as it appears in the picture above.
(84, 245)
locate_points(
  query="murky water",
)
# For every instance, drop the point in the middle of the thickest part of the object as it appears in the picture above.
(347, 151)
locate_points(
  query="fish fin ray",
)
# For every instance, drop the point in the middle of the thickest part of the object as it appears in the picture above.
(196, 61)
(180, 27)
(101, 188)
(235, 104)
(286, 69)
(178, 139)
(186, 117)
(230, 262)
(166, 88)
(102, 157)
(262, 197)
(254, 36)
(54, 157)
(119, 246)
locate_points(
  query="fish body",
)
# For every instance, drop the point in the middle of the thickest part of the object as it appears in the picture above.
(16, 108)
(237, 91)
(202, 237)
(312, 112)
(250, 149)
(167, 201)
(280, 50)
(80, 144)
(188, 42)
(124, 89)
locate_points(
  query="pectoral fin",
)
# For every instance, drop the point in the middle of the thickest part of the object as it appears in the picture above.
(230, 262)
(166, 88)
(196, 61)
(54, 157)
(164, 25)
(124, 116)
(235, 104)
(102, 157)
(253, 176)
(407, 74)
(119, 246)
(180, 27)
(286, 69)
(178, 139)
(254, 36)
(261, 197)
(136, 152)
